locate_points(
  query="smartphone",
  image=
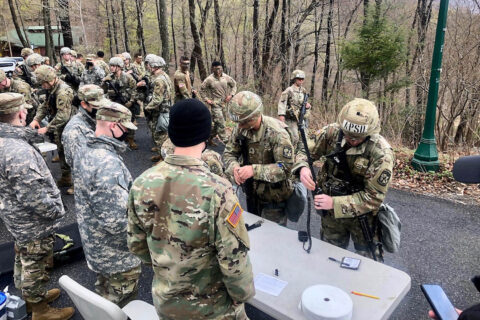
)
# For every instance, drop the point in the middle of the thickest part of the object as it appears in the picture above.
(441, 305)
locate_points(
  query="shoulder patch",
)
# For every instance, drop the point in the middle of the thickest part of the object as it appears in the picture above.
(235, 214)
(384, 177)
(287, 152)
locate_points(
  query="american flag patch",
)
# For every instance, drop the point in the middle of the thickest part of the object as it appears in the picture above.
(235, 215)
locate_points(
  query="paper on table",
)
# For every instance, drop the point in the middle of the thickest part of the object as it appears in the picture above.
(269, 284)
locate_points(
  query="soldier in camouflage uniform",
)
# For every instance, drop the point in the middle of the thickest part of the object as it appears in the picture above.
(19, 86)
(102, 183)
(58, 109)
(120, 88)
(291, 102)
(270, 154)
(23, 71)
(30, 207)
(69, 70)
(82, 125)
(160, 103)
(369, 159)
(217, 90)
(188, 222)
(182, 81)
(101, 63)
(137, 63)
(92, 73)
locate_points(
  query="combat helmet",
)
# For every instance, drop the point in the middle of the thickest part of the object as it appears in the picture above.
(244, 106)
(297, 74)
(126, 55)
(34, 59)
(149, 57)
(359, 118)
(45, 73)
(73, 53)
(116, 61)
(156, 62)
(26, 52)
(65, 50)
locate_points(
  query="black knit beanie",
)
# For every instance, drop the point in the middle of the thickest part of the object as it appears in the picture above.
(190, 123)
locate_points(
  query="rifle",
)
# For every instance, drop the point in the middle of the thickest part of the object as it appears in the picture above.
(27, 76)
(119, 98)
(69, 77)
(247, 186)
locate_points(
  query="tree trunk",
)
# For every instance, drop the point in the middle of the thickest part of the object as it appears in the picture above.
(163, 27)
(173, 37)
(49, 50)
(266, 48)
(326, 69)
(283, 44)
(22, 23)
(109, 29)
(255, 50)
(318, 28)
(125, 27)
(184, 30)
(244, 47)
(218, 29)
(64, 17)
(197, 50)
(17, 26)
(114, 25)
(140, 37)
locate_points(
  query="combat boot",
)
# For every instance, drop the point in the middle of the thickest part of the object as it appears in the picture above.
(51, 296)
(154, 149)
(42, 311)
(131, 144)
(56, 159)
(65, 181)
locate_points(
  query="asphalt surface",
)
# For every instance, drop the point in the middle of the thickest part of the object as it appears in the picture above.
(440, 245)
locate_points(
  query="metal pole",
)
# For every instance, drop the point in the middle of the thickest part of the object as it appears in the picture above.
(426, 156)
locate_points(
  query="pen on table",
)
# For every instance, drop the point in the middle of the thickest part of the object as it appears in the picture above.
(341, 262)
(365, 295)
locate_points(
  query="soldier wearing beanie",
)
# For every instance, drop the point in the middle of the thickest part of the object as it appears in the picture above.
(174, 205)
(31, 207)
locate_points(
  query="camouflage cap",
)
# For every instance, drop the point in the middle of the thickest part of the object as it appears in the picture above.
(45, 73)
(73, 53)
(116, 61)
(359, 118)
(34, 59)
(26, 52)
(245, 105)
(92, 94)
(65, 50)
(3, 75)
(297, 74)
(12, 102)
(91, 56)
(115, 112)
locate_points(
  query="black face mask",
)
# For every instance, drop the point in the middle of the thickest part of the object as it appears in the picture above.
(89, 64)
(93, 113)
(124, 135)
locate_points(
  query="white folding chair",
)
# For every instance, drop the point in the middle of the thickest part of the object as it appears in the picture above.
(93, 306)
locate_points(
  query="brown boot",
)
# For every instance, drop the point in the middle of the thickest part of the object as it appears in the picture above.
(42, 311)
(156, 158)
(56, 159)
(70, 191)
(154, 149)
(131, 144)
(51, 296)
(65, 181)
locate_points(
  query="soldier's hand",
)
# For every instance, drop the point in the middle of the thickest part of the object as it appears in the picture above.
(228, 98)
(34, 124)
(42, 130)
(107, 78)
(308, 106)
(432, 315)
(209, 101)
(194, 92)
(128, 104)
(307, 179)
(281, 118)
(110, 92)
(323, 202)
(245, 172)
(141, 83)
(236, 175)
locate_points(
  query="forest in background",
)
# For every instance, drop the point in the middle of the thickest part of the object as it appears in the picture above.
(378, 49)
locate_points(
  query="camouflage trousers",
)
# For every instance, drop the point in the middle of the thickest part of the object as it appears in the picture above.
(119, 288)
(158, 137)
(274, 211)
(218, 127)
(31, 261)
(65, 168)
(339, 231)
(293, 130)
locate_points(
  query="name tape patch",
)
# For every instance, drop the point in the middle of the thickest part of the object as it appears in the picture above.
(235, 215)
(354, 128)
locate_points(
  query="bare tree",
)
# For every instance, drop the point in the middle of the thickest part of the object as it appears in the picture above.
(173, 36)
(109, 28)
(318, 28)
(218, 28)
(22, 39)
(114, 25)
(197, 55)
(21, 21)
(163, 28)
(125, 28)
(48, 30)
(64, 18)
(266, 47)
(140, 36)
(326, 69)
(255, 49)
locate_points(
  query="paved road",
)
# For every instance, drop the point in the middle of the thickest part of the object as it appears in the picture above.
(440, 244)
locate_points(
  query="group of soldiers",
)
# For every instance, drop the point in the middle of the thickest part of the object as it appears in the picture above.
(183, 215)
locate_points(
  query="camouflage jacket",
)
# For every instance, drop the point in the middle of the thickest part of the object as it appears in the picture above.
(125, 85)
(271, 154)
(57, 106)
(186, 222)
(370, 164)
(162, 93)
(183, 85)
(140, 69)
(75, 134)
(75, 68)
(20, 86)
(102, 182)
(92, 76)
(135, 72)
(291, 102)
(24, 73)
(103, 65)
(218, 89)
(30, 202)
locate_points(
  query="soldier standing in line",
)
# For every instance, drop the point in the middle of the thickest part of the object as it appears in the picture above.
(355, 176)
(160, 103)
(270, 156)
(291, 102)
(23, 71)
(137, 63)
(121, 88)
(31, 206)
(70, 71)
(82, 125)
(182, 81)
(217, 90)
(101, 63)
(19, 86)
(102, 183)
(200, 252)
(58, 109)
(92, 73)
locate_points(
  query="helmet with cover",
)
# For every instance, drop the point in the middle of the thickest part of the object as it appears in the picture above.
(297, 74)
(45, 73)
(359, 118)
(116, 61)
(245, 105)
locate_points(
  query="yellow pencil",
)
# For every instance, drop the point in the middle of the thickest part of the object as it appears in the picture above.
(365, 295)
